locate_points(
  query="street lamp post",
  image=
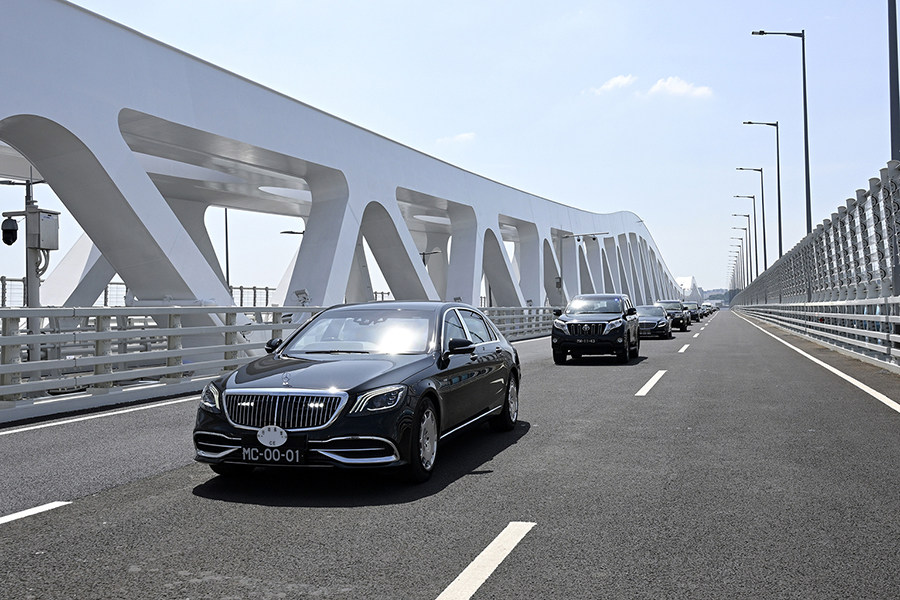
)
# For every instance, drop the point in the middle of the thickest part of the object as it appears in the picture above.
(754, 237)
(777, 175)
(755, 232)
(741, 257)
(762, 203)
(746, 238)
(802, 36)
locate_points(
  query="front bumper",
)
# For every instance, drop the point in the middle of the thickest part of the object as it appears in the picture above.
(610, 343)
(655, 330)
(374, 440)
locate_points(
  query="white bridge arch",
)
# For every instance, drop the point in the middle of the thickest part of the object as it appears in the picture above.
(138, 140)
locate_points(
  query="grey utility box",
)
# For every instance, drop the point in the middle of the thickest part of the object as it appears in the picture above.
(42, 227)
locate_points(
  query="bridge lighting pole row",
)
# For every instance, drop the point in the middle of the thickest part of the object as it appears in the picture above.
(762, 198)
(778, 177)
(802, 36)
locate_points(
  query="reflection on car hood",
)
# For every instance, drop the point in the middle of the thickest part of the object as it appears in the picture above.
(651, 317)
(591, 317)
(322, 372)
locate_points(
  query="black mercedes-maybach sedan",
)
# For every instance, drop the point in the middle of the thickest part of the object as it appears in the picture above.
(364, 385)
(596, 324)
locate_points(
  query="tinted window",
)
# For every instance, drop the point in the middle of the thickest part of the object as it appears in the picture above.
(651, 311)
(671, 305)
(587, 305)
(376, 331)
(452, 328)
(478, 329)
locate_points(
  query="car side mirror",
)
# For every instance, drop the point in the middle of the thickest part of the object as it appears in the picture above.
(631, 311)
(460, 346)
(557, 312)
(272, 345)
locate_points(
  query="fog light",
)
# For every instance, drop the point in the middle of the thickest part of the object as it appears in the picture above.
(619, 340)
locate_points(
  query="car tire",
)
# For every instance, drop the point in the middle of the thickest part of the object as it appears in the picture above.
(506, 420)
(559, 356)
(230, 470)
(423, 444)
(637, 348)
(625, 353)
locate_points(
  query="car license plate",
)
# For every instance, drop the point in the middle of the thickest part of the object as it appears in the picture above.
(292, 452)
(585, 341)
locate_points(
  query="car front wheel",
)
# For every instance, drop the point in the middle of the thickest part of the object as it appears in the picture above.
(559, 356)
(507, 418)
(424, 442)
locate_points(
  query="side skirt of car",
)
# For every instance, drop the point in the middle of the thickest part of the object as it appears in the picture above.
(489, 412)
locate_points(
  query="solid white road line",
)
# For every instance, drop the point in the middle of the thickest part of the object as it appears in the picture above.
(97, 416)
(874, 393)
(468, 582)
(649, 385)
(683, 348)
(31, 511)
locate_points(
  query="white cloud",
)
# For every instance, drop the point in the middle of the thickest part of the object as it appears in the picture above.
(462, 138)
(619, 81)
(676, 86)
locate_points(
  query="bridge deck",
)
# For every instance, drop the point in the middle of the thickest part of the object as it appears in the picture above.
(746, 470)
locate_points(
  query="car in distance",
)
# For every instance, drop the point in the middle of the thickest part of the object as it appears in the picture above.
(681, 316)
(654, 321)
(363, 385)
(694, 308)
(596, 324)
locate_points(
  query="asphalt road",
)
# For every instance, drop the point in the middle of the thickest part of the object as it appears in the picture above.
(745, 471)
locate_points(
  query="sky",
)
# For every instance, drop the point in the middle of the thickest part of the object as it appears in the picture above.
(603, 105)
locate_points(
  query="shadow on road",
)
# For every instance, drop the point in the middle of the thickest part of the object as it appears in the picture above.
(465, 454)
(593, 361)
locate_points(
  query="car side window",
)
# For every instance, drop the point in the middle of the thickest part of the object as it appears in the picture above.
(453, 328)
(478, 329)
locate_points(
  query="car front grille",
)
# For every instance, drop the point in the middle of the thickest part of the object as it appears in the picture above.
(586, 328)
(290, 410)
(648, 325)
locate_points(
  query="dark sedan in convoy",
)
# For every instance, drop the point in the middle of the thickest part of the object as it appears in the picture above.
(654, 321)
(596, 324)
(695, 310)
(681, 316)
(365, 385)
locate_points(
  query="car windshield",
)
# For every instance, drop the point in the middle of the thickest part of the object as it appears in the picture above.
(365, 331)
(671, 305)
(651, 311)
(692, 305)
(580, 306)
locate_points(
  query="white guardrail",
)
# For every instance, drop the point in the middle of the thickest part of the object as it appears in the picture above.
(86, 357)
(867, 329)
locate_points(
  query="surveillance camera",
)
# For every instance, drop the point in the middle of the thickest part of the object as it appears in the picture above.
(10, 231)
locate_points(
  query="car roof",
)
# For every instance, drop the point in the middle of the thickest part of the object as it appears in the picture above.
(599, 296)
(426, 305)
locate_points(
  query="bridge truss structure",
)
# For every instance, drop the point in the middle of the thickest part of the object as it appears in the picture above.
(139, 139)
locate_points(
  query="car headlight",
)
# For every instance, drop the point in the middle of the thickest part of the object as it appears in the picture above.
(613, 325)
(209, 398)
(662, 322)
(380, 399)
(558, 324)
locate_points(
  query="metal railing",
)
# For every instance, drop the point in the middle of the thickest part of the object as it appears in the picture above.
(12, 294)
(158, 351)
(868, 329)
(851, 256)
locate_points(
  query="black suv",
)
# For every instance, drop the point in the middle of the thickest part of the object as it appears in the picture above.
(681, 316)
(596, 324)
